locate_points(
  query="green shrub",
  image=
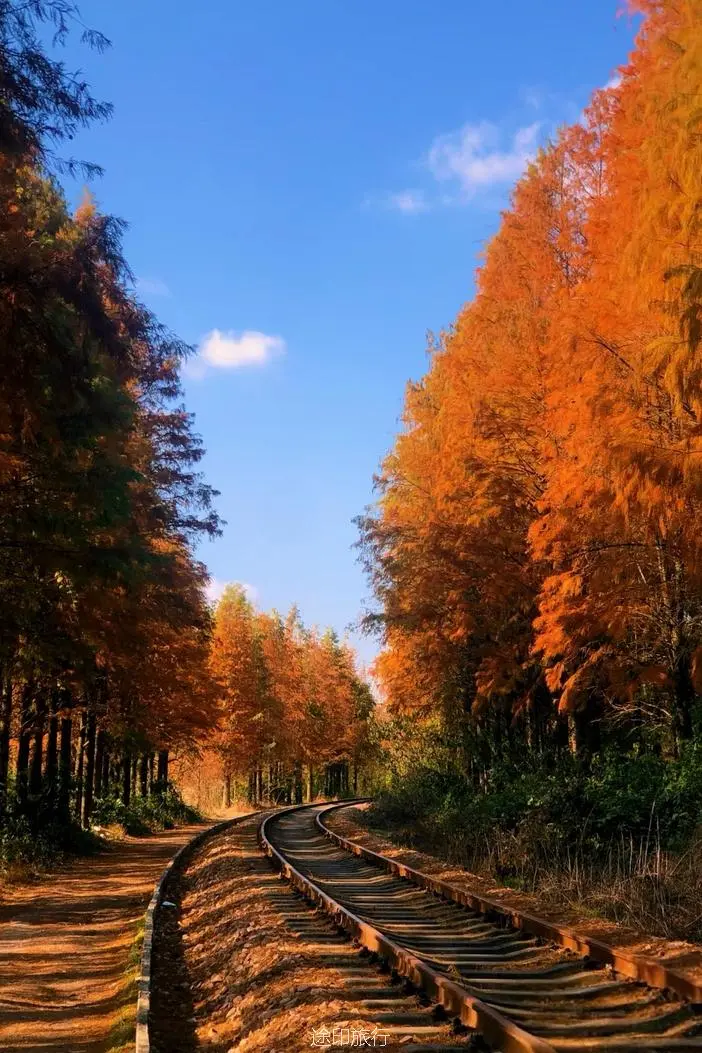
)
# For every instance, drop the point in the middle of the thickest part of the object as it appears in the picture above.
(28, 847)
(620, 836)
(30, 843)
(161, 810)
(550, 810)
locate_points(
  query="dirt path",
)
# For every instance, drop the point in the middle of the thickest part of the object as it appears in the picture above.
(65, 943)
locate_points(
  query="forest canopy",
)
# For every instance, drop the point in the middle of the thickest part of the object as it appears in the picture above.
(108, 661)
(535, 549)
(104, 629)
(297, 713)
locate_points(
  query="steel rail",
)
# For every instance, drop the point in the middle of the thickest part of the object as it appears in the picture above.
(634, 966)
(527, 985)
(457, 1001)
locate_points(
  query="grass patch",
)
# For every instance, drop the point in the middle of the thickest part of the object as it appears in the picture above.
(620, 838)
(123, 1031)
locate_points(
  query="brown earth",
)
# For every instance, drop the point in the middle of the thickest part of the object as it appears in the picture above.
(685, 957)
(65, 942)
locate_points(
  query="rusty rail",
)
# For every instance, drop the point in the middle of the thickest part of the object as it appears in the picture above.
(458, 1002)
(633, 966)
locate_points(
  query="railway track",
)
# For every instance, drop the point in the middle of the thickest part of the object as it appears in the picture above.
(236, 950)
(523, 993)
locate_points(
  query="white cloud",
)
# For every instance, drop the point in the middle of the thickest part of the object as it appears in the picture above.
(229, 350)
(613, 81)
(460, 164)
(408, 201)
(475, 156)
(152, 287)
(216, 588)
(532, 97)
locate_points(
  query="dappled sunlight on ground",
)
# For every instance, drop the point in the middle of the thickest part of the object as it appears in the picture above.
(65, 942)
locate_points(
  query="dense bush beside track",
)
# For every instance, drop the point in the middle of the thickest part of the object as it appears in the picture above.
(26, 850)
(632, 797)
(622, 834)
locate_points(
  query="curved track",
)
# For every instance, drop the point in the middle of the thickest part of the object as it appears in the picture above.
(523, 993)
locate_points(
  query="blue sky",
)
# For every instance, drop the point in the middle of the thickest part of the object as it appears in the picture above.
(307, 187)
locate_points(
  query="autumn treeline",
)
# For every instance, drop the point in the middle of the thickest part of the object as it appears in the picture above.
(104, 625)
(107, 659)
(536, 548)
(296, 710)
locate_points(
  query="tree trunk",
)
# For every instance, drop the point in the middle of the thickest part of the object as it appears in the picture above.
(5, 732)
(684, 698)
(126, 779)
(162, 776)
(64, 773)
(89, 770)
(80, 767)
(297, 782)
(25, 734)
(106, 786)
(144, 775)
(561, 732)
(99, 763)
(152, 762)
(135, 766)
(51, 770)
(227, 791)
(36, 765)
(584, 734)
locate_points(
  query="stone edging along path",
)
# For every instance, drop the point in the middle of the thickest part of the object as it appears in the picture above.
(143, 1044)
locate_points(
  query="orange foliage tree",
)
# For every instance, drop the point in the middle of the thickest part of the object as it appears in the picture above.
(104, 629)
(535, 547)
(294, 708)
